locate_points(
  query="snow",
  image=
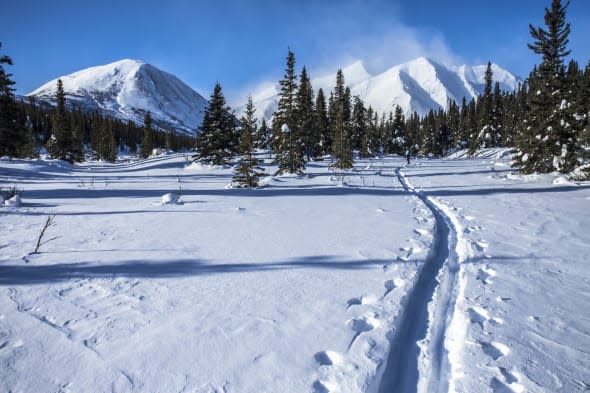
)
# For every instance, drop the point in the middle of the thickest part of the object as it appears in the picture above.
(127, 89)
(308, 284)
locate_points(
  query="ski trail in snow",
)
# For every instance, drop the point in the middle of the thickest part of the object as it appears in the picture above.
(418, 360)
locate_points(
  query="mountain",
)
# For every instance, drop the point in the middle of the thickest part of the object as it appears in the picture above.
(127, 89)
(418, 85)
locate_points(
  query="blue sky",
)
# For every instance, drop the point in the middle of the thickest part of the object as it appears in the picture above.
(244, 43)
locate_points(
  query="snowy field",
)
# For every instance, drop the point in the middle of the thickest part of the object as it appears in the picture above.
(319, 283)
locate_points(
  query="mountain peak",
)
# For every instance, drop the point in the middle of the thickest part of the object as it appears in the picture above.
(127, 89)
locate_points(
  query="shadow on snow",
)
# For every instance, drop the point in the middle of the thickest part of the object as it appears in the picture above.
(179, 268)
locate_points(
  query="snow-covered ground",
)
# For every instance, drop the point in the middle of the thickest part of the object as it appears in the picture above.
(318, 283)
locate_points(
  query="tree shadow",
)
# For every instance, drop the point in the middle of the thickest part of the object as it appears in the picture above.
(171, 268)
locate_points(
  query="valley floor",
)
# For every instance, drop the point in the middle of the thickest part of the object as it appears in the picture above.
(452, 275)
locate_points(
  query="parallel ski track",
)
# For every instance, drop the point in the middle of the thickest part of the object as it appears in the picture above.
(435, 283)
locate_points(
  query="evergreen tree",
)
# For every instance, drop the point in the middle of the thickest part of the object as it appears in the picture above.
(370, 139)
(106, 148)
(497, 117)
(341, 149)
(60, 143)
(263, 136)
(287, 142)
(10, 137)
(486, 135)
(248, 171)
(305, 117)
(147, 142)
(398, 131)
(321, 123)
(550, 137)
(216, 142)
(359, 125)
(453, 119)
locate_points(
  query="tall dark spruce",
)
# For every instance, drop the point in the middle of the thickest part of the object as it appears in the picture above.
(60, 143)
(10, 137)
(287, 142)
(147, 142)
(340, 125)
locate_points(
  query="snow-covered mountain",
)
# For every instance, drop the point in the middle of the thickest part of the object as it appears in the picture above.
(418, 85)
(127, 89)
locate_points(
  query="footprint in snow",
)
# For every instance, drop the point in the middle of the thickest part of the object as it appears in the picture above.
(389, 286)
(360, 325)
(319, 387)
(484, 275)
(481, 245)
(328, 358)
(494, 350)
(478, 315)
(421, 232)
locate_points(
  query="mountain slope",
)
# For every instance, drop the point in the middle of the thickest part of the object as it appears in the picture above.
(418, 85)
(127, 89)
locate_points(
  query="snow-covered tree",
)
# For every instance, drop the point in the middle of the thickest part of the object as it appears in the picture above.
(548, 141)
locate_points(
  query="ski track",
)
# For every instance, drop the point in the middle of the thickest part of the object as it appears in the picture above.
(418, 360)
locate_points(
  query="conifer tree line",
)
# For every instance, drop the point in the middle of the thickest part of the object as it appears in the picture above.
(545, 121)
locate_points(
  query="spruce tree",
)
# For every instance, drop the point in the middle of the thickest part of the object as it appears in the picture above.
(304, 114)
(248, 171)
(453, 119)
(358, 125)
(217, 140)
(370, 140)
(398, 131)
(60, 144)
(147, 142)
(497, 116)
(340, 124)
(263, 136)
(10, 137)
(106, 146)
(321, 123)
(550, 142)
(486, 133)
(287, 142)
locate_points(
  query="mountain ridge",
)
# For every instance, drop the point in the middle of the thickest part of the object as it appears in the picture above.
(417, 85)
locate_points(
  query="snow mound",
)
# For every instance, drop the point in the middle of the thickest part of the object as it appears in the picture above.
(15, 201)
(199, 166)
(170, 198)
(563, 181)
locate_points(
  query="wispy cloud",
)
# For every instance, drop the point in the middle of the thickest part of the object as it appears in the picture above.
(341, 33)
